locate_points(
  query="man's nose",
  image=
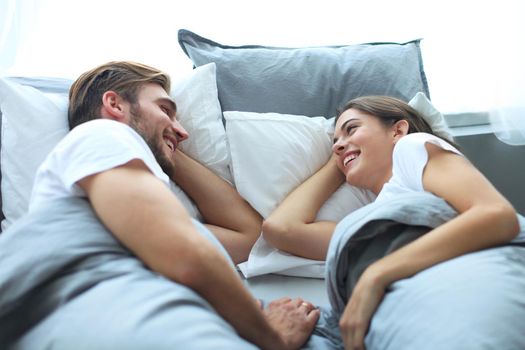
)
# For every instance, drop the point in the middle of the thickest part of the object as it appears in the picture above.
(181, 133)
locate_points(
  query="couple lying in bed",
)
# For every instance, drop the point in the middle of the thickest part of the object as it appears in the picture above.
(107, 257)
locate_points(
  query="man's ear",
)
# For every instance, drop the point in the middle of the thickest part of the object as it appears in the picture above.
(400, 129)
(113, 106)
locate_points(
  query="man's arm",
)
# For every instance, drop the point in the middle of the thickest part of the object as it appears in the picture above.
(235, 223)
(149, 220)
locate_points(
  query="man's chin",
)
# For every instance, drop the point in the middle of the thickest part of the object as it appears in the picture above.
(165, 161)
(167, 166)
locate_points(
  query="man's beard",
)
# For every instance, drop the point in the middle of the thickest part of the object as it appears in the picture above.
(136, 122)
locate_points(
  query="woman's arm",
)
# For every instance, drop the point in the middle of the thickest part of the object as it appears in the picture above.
(233, 221)
(291, 226)
(485, 219)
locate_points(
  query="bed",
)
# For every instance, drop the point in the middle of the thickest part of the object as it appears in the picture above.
(234, 98)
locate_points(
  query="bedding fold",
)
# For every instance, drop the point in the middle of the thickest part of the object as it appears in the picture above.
(473, 301)
(66, 283)
(368, 233)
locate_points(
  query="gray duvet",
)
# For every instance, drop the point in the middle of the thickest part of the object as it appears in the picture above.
(66, 283)
(475, 301)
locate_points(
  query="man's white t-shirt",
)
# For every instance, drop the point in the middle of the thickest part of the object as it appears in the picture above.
(409, 159)
(90, 148)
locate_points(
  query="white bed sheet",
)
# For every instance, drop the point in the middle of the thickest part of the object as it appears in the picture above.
(271, 286)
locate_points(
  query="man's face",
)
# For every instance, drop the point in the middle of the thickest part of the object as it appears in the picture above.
(153, 118)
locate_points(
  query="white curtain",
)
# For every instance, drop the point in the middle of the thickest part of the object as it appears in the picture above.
(16, 22)
(508, 113)
(7, 50)
(508, 122)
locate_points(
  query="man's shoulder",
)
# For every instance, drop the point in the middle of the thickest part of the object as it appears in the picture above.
(101, 131)
(101, 126)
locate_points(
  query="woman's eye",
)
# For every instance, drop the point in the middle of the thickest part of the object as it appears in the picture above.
(350, 129)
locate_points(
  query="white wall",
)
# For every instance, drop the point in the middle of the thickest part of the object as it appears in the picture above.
(466, 44)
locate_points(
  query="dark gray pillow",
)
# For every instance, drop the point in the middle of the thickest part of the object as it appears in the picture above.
(311, 81)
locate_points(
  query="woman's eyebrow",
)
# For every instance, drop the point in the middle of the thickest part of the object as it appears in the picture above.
(346, 122)
(343, 126)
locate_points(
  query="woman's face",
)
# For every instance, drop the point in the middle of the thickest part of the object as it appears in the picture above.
(363, 146)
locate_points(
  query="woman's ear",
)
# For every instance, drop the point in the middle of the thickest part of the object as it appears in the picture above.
(113, 106)
(400, 129)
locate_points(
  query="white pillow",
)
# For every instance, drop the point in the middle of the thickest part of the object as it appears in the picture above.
(199, 111)
(272, 154)
(434, 117)
(34, 119)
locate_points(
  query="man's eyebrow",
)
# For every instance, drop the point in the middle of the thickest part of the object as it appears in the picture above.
(169, 101)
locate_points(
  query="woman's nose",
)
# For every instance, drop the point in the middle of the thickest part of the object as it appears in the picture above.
(337, 147)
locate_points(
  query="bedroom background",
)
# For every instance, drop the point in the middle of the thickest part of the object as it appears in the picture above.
(473, 54)
(472, 51)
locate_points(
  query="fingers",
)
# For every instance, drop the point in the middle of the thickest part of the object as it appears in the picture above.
(280, 301)
(359, 338)
(293, 319)
(313, 316)
(312, 312)
(309, 307)
(297, 303)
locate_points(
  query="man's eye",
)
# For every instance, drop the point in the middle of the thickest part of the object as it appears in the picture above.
(165, 109)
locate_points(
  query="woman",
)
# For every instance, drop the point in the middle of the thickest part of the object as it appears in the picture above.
(383, 145)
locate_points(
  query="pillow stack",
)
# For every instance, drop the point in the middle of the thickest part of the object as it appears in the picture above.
(260, 117)
(34, 119)
(278, 106)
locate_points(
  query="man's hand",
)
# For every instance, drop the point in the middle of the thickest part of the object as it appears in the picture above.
(365, 299)
(294, 320)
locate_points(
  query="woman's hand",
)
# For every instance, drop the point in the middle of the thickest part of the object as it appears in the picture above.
(365, 299)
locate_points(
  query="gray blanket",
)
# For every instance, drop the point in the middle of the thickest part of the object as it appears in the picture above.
(67, 283)
(476, 301)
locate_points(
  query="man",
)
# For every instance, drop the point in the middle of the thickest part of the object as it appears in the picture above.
(235, 223)
(123, 143)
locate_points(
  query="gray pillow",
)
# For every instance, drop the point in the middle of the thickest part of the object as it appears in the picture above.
(311, 81)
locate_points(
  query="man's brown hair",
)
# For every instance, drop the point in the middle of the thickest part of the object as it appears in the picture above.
(123, 77)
